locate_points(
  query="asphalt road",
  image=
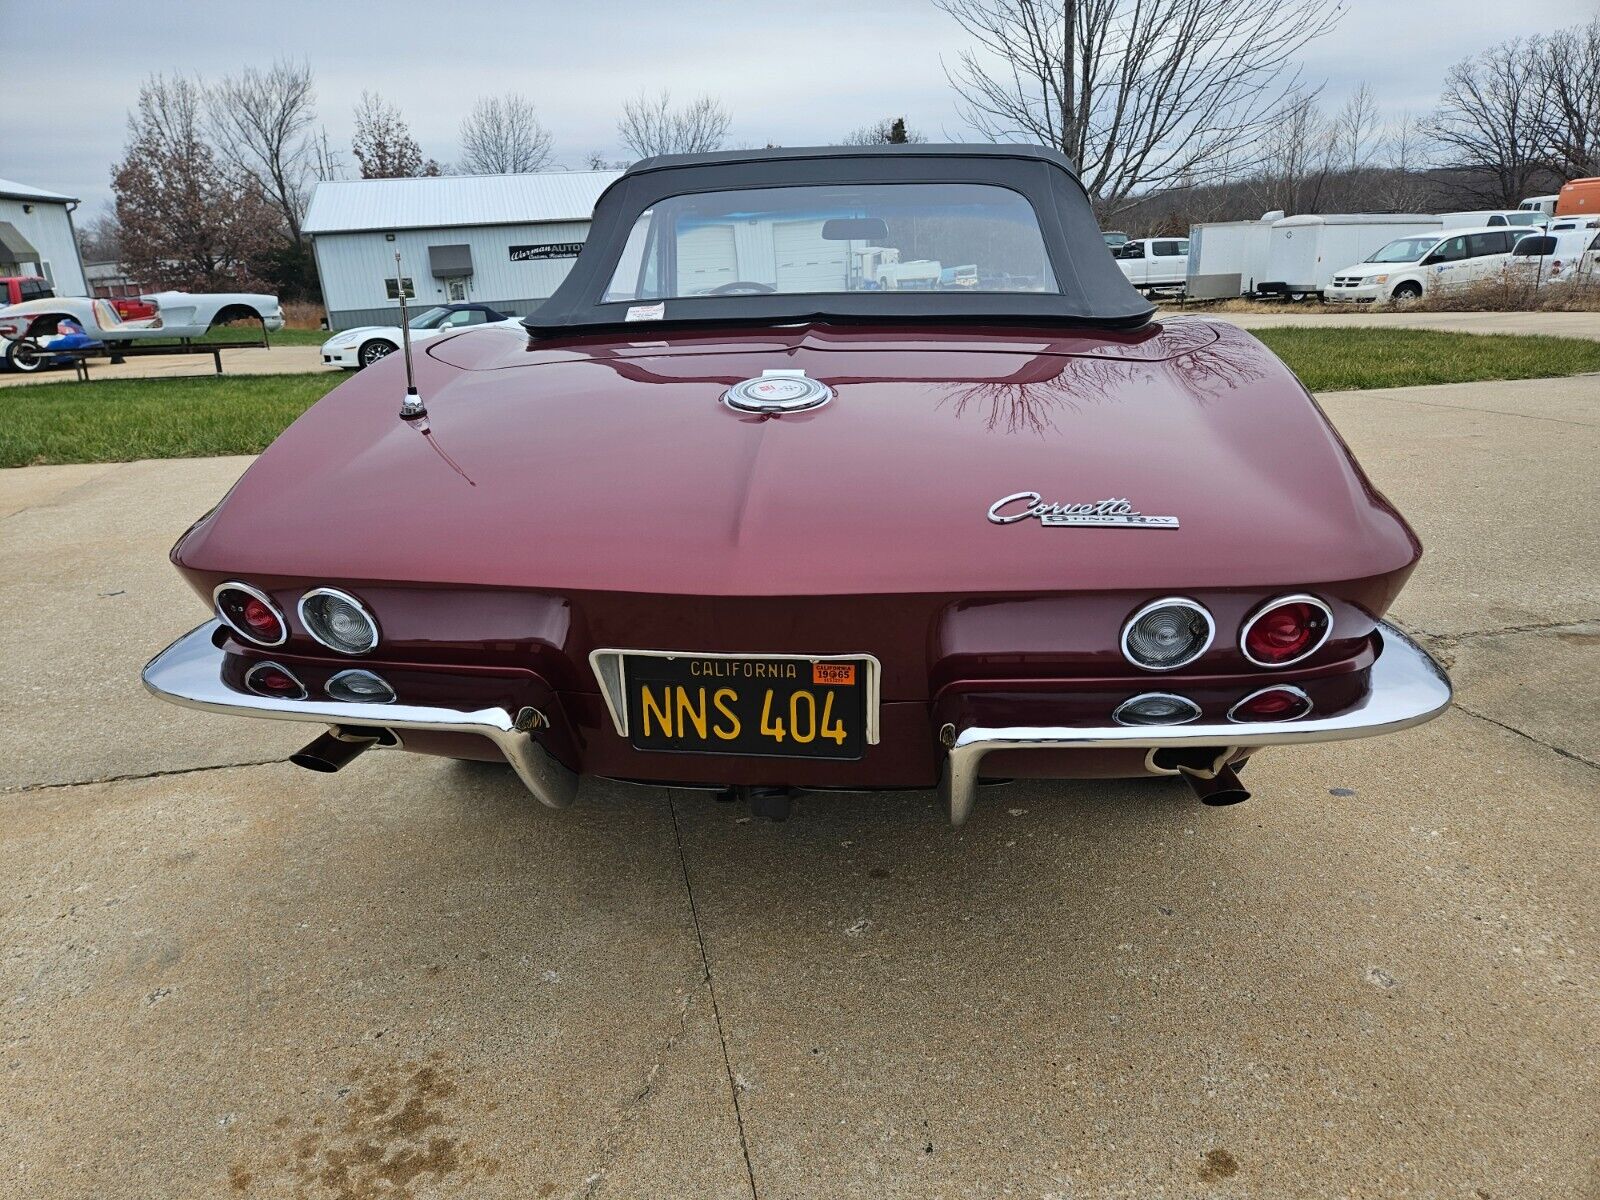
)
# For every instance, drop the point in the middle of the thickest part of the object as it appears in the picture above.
(222, 976)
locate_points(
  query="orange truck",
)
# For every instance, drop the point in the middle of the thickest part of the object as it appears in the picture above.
(1580, 198)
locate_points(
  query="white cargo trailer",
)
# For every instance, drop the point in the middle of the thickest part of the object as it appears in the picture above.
(1228, 258)
(1306, 250)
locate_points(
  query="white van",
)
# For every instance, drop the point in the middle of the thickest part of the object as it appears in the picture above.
(1544, 205)
(1408, 268)
(1306, 250)
(1493, 218)
(1556, 258)
(1151, 263)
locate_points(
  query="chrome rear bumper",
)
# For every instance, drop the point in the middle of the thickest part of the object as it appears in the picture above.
(189, 672)
(1406, 688)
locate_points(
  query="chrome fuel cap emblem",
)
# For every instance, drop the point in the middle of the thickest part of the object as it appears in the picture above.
(778, 392)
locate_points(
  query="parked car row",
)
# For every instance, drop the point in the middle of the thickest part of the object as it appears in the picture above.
(353, 349)
(31, 328)
(1378, 256)
(1415, 265)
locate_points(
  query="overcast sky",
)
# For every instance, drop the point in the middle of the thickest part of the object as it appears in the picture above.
(793, 73)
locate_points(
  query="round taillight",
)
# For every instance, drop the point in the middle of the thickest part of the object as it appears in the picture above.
(1167, 634)
(1286, 631)
(250, 613)
(270, 679)
(338, 621)
(1280, 703)
(360, 687)
(1156, 708)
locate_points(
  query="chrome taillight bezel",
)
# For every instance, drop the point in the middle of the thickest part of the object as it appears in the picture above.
(362, 671)
(1169, 602)
(1279, 602)
(249, 682)
(1193, 710)
(1275, 687)
(255, 593)
(338, 594)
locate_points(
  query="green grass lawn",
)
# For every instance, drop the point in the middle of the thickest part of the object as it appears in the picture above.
(117, 420)
(250, 332)
(1340, 358)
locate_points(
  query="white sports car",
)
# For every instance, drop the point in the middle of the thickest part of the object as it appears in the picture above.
(353, 349)
(178, 315)
(202, 310)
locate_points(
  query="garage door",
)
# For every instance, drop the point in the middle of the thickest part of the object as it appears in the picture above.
(706, 259)
(806, 263)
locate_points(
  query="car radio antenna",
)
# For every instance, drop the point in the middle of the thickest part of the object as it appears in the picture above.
(412, 408)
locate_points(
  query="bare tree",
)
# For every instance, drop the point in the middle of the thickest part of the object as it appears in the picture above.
(1570, 77)
(651, 125)
(1491, 122)
(326, 162)
(383, 144)
(1356, 130)
(1405, 153)
(502, 135)
(100, 237)
(891, 131)
(599, 162)
(1139, 94)
(184, 220)
(259, 122)
(1294, 156)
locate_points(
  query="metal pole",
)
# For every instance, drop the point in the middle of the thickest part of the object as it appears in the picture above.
(412, 407)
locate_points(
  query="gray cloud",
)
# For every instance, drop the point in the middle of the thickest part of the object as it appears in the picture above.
(789, 73)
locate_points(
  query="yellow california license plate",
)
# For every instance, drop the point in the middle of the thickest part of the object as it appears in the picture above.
(779, 707)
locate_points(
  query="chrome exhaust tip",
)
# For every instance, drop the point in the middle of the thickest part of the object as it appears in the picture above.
(1221, 790)
(1206, 770)
(336, 748)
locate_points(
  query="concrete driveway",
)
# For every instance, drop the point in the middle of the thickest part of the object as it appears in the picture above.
(1378, 978)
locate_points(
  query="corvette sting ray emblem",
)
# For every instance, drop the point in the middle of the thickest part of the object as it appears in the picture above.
(1019, 506)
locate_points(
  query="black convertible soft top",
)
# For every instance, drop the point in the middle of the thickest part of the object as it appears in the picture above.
(1093, 291)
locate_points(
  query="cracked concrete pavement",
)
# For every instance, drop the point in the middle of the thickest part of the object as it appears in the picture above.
(224, 976)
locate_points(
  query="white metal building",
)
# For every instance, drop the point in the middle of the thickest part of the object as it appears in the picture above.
(504, 240)
(36, 237)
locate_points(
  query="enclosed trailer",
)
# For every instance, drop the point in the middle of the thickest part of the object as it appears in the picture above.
(1228, 258)
(1579, 198)
(1305, 251)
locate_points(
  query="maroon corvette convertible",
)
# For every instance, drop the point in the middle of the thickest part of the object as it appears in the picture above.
(846, 469)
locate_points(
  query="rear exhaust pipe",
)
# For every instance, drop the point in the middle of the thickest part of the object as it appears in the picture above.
(1206, 769)
(336, 748)
(1222, 789)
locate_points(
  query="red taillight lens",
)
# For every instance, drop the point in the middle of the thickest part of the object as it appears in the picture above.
(1286, 631)
(269, 679)
(261, 619)
(1272, 704)
(251, 614)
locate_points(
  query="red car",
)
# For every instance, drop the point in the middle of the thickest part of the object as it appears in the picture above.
(733, 509)
(14, 289)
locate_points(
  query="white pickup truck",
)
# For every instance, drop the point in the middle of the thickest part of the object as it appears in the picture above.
(1155, 263)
